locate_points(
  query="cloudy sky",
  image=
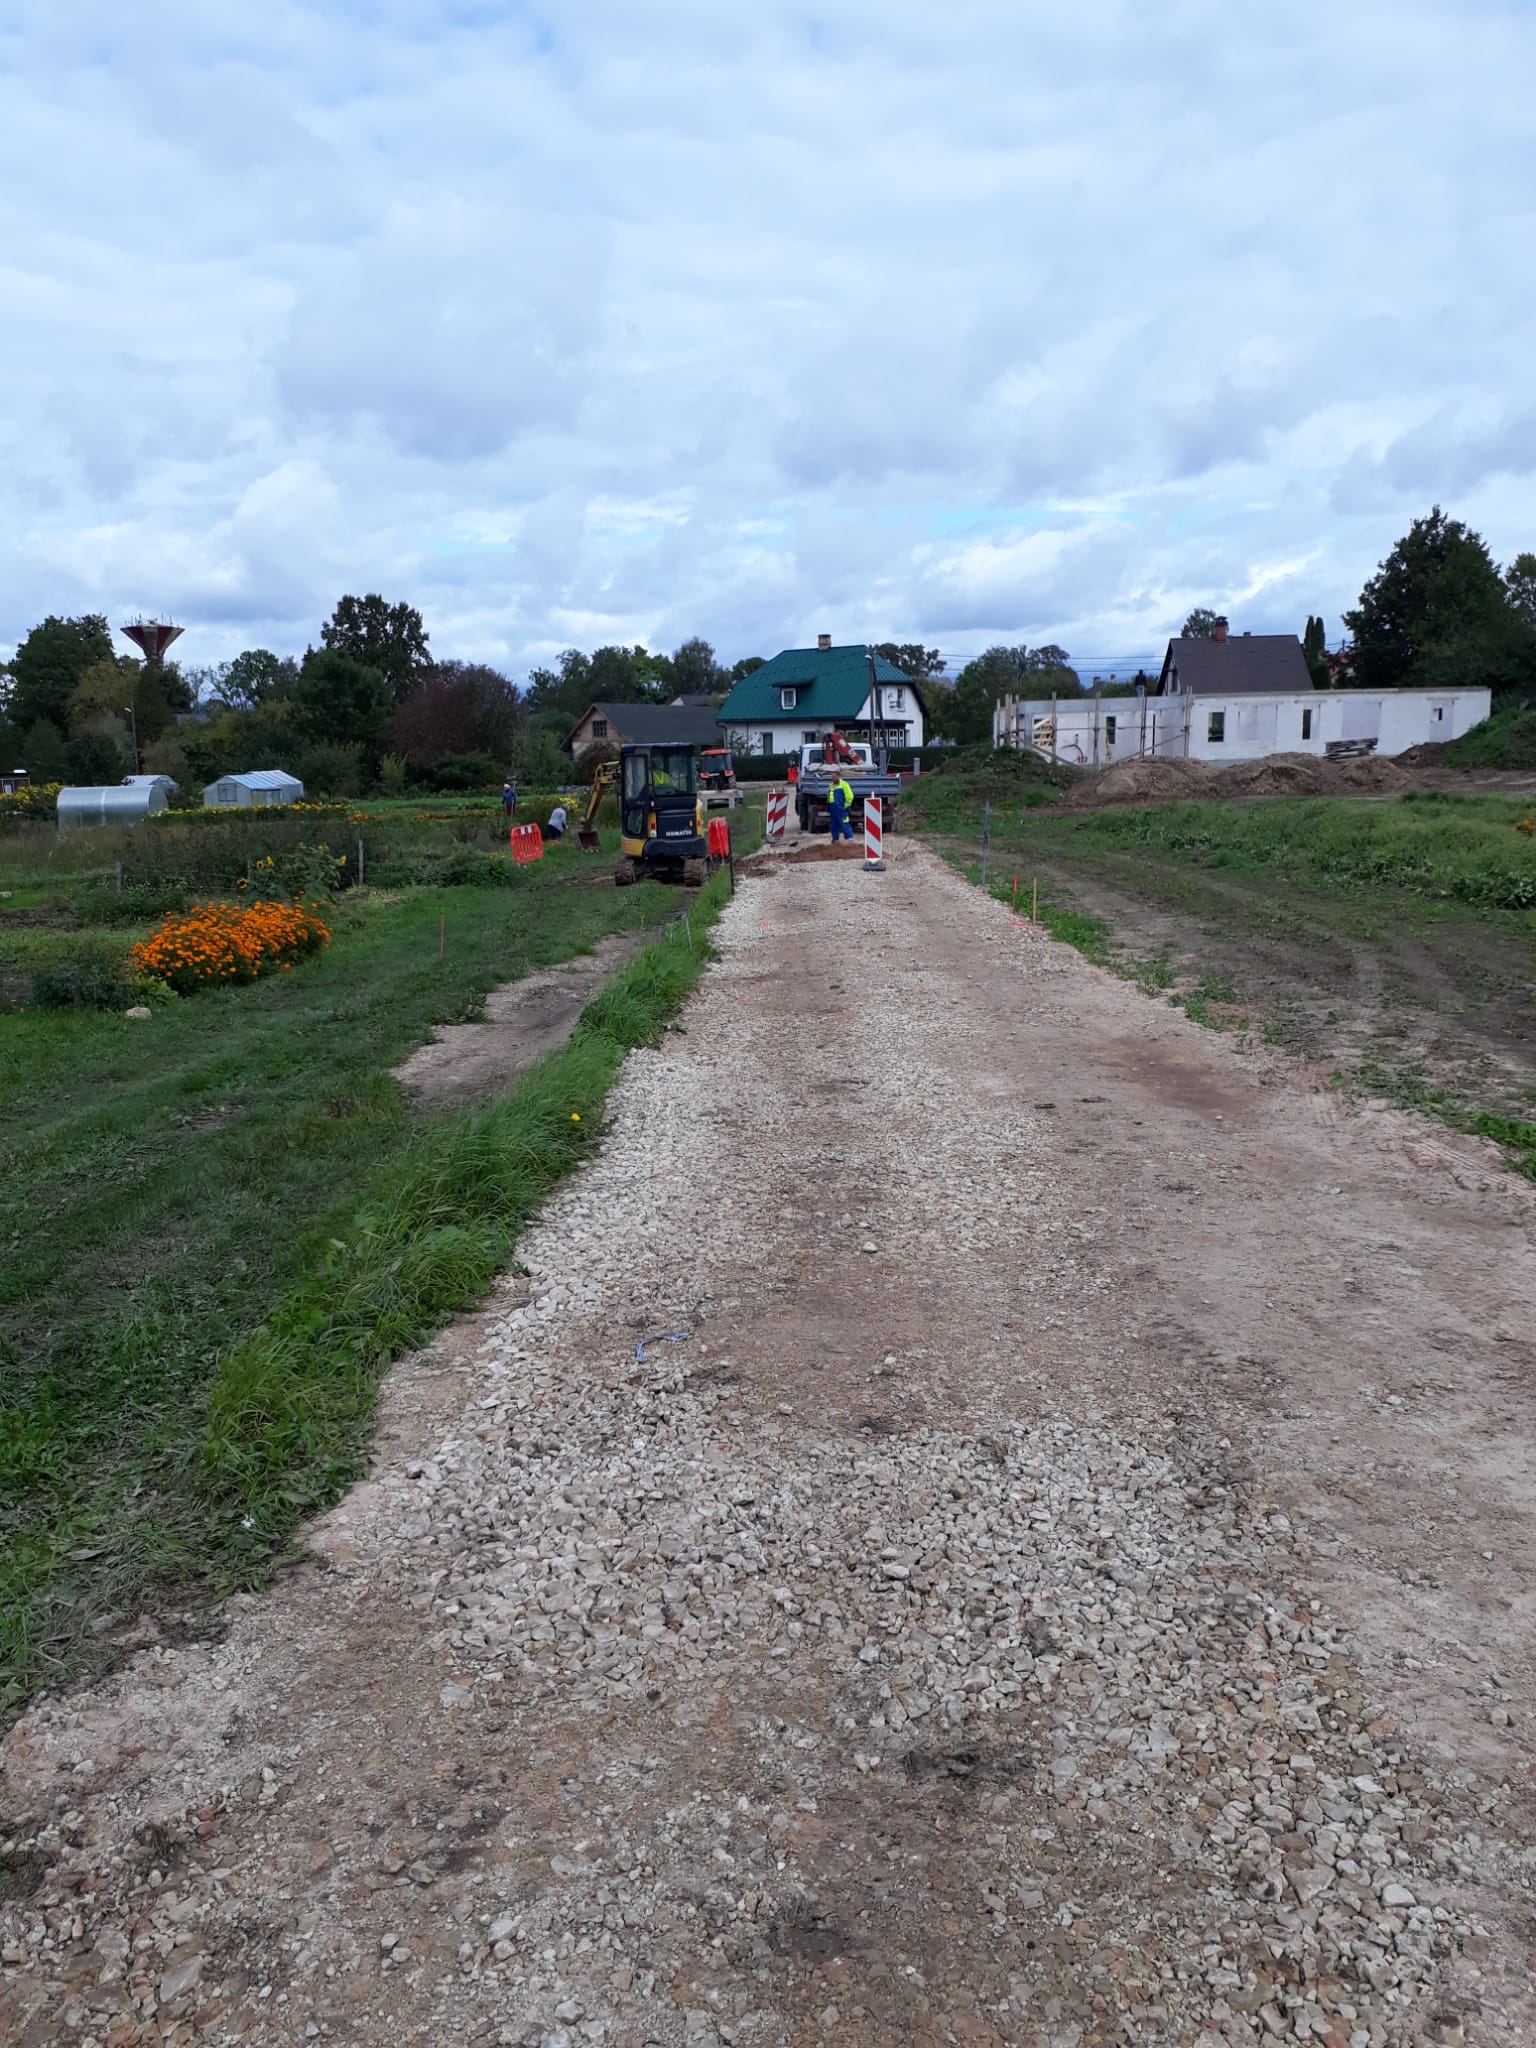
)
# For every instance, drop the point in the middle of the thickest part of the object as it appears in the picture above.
(628, 319)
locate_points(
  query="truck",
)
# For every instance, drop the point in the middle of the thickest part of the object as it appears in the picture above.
(822, 762)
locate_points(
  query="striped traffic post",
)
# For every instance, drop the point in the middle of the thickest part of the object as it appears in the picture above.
(874, 858)
(778, 813)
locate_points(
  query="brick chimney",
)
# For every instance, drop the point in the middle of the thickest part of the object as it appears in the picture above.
(1221, 630)
(823, 643)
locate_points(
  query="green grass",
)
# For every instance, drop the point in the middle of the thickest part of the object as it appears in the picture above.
(1507, 740)
(216, 1228)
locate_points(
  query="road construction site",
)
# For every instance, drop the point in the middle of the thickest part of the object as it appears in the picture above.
(1027, 1541)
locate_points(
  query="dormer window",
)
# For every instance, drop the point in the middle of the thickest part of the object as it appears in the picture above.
(788, 697)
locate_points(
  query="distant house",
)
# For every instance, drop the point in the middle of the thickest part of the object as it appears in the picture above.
(12, 779)
(653, 725)
(1250, 665)
(248, 792)
(1235, 698)
(806, 692)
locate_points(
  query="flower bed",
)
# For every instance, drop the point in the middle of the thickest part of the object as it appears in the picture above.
(215, 943)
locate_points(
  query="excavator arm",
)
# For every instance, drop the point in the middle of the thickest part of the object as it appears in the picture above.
(587, 836)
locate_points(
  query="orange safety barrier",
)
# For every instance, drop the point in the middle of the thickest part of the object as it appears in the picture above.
(719, 839)
(527, 843)
(793, 772)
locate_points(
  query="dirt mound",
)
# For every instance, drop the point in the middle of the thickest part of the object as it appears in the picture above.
(1155, 781)
(1365, 773)
(1143, 781)
(1274, 775)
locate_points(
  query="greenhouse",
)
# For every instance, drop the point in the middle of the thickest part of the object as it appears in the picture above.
(243, 792)
(117, 803)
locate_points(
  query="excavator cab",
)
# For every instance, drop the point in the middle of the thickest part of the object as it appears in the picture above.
(661, 819)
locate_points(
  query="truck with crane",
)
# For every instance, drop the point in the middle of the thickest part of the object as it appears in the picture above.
(821, 764)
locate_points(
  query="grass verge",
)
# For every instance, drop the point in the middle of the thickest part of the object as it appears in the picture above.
(219, 1244)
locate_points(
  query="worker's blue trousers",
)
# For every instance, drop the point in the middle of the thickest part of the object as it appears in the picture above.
(841, 829)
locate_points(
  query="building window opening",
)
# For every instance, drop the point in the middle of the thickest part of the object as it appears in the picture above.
(1109, 729)
(787, 700)
(599, 728)
(1439, 712)
(1306, 725)
(1216, 728)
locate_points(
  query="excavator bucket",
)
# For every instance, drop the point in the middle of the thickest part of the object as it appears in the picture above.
(589, 839)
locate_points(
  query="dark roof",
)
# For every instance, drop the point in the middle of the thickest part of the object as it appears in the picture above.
(833, 683)
(654, 725)
(1242, 665)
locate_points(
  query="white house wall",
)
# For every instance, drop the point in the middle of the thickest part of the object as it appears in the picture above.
(1251, 726)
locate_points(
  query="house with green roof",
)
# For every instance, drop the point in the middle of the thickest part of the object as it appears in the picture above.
(806, 692)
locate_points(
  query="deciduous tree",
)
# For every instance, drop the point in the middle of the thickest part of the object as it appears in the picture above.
(1201, 624)
(49, 663)
(1437, 615)
(389, 638)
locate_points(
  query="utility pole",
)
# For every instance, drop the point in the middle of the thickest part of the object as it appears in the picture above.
(875, 754)
(133, 726)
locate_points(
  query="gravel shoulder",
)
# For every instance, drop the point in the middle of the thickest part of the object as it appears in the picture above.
(1069, 1585)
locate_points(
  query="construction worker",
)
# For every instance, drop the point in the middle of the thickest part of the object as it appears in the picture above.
(839, 809)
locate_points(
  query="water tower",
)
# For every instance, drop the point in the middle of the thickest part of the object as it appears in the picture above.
(153, 636)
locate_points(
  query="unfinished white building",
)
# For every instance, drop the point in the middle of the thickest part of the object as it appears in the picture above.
(1235, 699)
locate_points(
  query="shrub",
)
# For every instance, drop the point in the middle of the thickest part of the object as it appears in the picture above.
(216, 943)
(87, 975)
(32, 800)
(466, 771)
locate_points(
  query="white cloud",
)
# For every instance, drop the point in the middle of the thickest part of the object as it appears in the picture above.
(633, 322)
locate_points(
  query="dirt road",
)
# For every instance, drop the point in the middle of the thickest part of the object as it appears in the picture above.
(1068, 1585)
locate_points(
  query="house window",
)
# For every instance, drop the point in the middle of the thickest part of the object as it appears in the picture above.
(809, 739)
(787, 700)
(1439, 711)
(1216, 728)
(1109, 729)
(599, 728)
(895, 698)
(1306, 725)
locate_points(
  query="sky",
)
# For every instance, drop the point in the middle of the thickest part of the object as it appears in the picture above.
(625, 320)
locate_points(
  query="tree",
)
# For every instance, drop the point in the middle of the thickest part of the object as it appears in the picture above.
(390, 638)
(254, 676)
(747, 666)
(341, 702)
(98, 757)
(1201, 624)
(43, 752)
(964, 714)
(1437, 615)
(1314, 645)
(462, 708)
(912, 659)
(696, 672)
(1520, 588)
(50, 662)
(627, 675)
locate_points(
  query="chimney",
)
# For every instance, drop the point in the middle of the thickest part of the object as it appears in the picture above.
(823, 643)
(1221, 630)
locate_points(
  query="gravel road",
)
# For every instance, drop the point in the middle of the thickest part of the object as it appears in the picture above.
(1068, 1584)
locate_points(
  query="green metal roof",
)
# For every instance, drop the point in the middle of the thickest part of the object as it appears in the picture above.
(833, 683)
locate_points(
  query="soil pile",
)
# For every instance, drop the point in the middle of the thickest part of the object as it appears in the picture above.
(1175, 781)
(1143, 781)
(1275, 775)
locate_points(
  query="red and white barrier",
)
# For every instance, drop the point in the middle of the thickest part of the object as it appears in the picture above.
(778, 813)
(527, 843)
(874, 832)
(719, 841)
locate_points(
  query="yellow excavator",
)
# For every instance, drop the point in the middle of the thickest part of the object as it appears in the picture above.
(662, 834)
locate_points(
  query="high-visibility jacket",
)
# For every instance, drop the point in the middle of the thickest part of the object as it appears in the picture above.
(841, 789)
